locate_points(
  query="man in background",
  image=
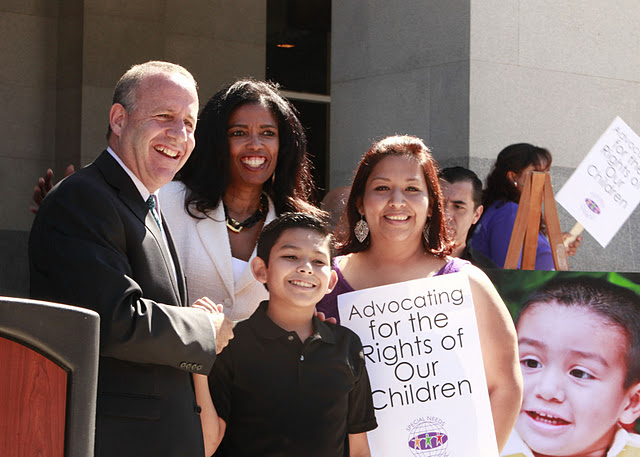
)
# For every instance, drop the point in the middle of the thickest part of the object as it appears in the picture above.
(462, 190)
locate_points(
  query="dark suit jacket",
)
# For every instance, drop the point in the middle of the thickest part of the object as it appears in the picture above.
(95, 244)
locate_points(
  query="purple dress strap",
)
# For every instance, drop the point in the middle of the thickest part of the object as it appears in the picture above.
(452, 266)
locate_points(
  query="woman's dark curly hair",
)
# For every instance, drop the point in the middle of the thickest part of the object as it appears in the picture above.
(414, 149)
(207, 172)
(515, 157)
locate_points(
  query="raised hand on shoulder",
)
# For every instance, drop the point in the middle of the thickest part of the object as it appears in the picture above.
(44, 185)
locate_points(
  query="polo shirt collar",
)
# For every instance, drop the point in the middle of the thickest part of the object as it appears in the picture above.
(266, 328)
(322, 330)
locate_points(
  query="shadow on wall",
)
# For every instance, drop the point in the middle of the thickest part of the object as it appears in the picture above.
(14, 264)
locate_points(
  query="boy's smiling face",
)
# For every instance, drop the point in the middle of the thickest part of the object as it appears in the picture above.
(299, 271)
(573, 366)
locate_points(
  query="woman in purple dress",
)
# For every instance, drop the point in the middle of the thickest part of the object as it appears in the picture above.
(396, 233)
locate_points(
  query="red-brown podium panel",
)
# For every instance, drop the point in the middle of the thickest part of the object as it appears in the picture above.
(48, 379)
(33, 390)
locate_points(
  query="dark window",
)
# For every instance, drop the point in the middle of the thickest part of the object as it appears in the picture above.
(298, 38)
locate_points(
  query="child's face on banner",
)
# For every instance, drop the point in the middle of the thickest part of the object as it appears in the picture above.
(573, 367)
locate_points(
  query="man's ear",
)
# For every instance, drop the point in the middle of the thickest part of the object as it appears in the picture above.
(477, 213)
(632, 409)
(333, 280)
(117, 118)
(259, 269)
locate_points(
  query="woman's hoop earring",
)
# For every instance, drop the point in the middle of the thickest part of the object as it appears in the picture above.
(361, 230)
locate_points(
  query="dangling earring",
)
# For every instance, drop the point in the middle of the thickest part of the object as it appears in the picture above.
(361, 229)
(425, 231)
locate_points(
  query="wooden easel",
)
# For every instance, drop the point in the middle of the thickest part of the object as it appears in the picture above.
(537, 190)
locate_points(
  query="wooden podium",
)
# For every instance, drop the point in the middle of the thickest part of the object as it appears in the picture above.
(537, 192)
(48, 379)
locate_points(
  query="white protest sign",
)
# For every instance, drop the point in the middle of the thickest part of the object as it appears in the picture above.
(423, 356)
(605, 188)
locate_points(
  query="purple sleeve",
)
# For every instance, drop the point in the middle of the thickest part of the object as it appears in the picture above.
(329, 304)
(503, 223)
(499, 234)
(544, 258)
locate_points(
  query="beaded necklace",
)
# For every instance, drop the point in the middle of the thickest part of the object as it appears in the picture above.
(252, 220)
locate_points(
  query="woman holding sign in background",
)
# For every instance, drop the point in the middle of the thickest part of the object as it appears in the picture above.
(500, 199)
(395, 215)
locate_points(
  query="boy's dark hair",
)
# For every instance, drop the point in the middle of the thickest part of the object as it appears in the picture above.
(460, 174)
(618, 305)
(274, 229)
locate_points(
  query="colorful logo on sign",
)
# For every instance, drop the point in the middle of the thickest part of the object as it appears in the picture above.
(593, 206)
(428, 438)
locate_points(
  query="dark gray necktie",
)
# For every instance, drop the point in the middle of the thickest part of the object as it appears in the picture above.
(151, 203)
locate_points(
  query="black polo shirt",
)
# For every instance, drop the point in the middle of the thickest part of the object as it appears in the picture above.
(283, 397)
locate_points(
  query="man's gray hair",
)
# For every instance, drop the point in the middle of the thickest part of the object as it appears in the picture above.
(124, 93)
(125, 90)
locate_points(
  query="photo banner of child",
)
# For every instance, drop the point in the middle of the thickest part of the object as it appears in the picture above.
(579, 344)
(604, 190)
(422, 350)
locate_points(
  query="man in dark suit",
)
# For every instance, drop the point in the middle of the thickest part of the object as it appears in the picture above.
(99, 241)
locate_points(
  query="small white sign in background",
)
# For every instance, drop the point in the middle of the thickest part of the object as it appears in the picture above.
(605, 188)
(423, 356)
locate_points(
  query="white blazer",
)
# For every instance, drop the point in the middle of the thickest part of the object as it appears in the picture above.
(205, 254)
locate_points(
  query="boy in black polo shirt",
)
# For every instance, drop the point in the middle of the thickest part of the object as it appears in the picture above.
(289, 384)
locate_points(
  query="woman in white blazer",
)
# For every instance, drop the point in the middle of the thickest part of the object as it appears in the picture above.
(250, 164)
